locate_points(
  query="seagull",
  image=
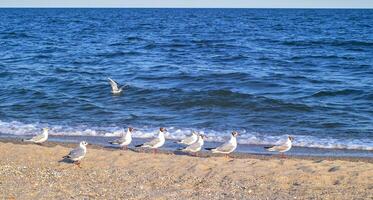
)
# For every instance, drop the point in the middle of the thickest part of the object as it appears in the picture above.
(38, 139)
(156, 142)
(78, 153)
(189, 140)
(283, 147)
(227, 147)
(125, 140)
(115, 88)
(195, 147)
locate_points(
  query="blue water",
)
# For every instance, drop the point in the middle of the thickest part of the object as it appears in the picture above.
(264, 72)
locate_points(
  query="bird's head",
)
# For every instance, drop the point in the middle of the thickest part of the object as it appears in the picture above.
(235, 134)
(203, 136)
(291, 138)
(83, 143)
(162, 129)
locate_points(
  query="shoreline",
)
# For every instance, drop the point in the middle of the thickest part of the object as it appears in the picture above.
(29, 171)
(171, 150)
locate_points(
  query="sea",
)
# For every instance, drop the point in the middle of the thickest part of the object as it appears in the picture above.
(266, 73)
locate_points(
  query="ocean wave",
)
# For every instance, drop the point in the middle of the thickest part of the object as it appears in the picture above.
(347, 43)
(174, 133)
(118, 54)
(344, 92)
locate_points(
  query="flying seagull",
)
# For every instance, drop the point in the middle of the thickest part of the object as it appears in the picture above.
(115, 88)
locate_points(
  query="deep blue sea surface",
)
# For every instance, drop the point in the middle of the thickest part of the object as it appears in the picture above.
(267, 73)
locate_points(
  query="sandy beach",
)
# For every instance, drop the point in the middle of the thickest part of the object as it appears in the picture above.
(30, 171)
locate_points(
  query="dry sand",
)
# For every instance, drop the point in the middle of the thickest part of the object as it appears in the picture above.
(36, 172)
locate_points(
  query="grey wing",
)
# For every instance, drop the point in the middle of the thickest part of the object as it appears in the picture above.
(280, 148)
(193, 146)
(188, 139)
(152, 143)
(225, 147)
(37, 137)
(76, 153)
(119, 141)
(114, 85)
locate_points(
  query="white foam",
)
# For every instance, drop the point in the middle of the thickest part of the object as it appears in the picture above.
(255, 138)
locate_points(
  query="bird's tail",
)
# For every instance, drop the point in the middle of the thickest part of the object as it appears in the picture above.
(140, 145)
(269, 148)
(209, 149)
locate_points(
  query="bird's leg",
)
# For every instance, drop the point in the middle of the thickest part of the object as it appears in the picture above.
(126, 147)
(78, 164)
(282, 155)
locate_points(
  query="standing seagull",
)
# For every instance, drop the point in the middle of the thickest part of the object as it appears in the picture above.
(227, 147)
(78, 153)
(283, 147)
(125, 140)
(115, 88)
(189, 140)
(156, 142)
(195, 147)
(38, 139)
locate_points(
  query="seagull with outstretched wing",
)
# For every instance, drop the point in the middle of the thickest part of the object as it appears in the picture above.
(115, 88)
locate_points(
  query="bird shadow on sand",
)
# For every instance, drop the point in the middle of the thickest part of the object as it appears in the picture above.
(114, 148)
(199, 155)
(66, 160)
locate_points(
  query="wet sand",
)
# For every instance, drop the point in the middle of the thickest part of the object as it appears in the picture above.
(29, 171)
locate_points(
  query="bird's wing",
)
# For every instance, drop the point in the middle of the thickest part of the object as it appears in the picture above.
(76, 153)
(119, 140)
(123, 86)
(193, 146)
(188, 140)
(152, 143)
(37, 137)
(114, 85)
(226, 147)
(116, 141)
(280, 148)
